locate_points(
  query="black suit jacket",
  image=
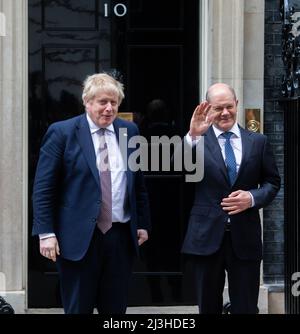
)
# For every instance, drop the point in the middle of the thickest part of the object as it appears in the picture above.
(257, 173)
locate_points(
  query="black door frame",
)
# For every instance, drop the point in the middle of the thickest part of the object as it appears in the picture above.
(191, 85)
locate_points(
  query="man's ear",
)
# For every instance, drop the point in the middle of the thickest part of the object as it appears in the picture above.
(87, 105)
(237, 102)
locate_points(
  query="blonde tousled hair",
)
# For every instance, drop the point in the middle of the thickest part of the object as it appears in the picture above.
(101, 82)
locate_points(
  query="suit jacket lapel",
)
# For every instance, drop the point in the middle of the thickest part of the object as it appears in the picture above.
(117, 125)
(85, 141)
(247, 145)
(124, 138)
(212, 145)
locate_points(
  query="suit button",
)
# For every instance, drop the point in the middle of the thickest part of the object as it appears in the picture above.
(94, 220)
(98, 202)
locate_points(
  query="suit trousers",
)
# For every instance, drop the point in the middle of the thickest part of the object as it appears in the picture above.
(102, 277)
(243, 280)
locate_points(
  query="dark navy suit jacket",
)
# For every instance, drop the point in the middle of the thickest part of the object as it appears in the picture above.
(67, 193)
(257, 173)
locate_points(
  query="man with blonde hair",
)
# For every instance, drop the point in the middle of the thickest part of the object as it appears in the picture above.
(90, 212)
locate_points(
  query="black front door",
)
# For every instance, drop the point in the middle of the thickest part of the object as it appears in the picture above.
(152, 46)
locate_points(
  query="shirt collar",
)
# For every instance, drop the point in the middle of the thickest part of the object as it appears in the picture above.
(235, 130)
(94, 128)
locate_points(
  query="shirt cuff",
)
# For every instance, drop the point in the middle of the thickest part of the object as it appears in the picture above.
(252, 200)
(192, 141)
(46, 235)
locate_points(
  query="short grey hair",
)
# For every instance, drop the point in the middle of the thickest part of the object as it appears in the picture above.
(101, 82)
(208, 93)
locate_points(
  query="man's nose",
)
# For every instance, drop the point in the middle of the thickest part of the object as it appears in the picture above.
(108, 106)
(225, 110)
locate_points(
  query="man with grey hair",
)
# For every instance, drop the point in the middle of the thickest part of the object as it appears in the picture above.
(90, 212)
(224, 230)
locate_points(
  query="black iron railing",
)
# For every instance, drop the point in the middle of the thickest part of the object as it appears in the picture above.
(291, 105)
(5, 308)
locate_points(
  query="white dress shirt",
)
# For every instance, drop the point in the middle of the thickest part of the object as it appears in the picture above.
(120, 212)
(235, 141)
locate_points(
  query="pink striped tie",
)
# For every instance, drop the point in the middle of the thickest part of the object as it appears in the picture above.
(104, 221)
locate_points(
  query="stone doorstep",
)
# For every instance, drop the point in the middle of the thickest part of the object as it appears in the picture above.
(132, 310)
(269, 302)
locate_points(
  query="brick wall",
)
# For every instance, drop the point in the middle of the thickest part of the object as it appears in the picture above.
(273, 128)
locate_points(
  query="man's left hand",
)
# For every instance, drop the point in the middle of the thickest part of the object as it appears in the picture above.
(237, 202)
(142, 236)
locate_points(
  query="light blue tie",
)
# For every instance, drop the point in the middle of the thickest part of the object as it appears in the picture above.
(229, 158)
